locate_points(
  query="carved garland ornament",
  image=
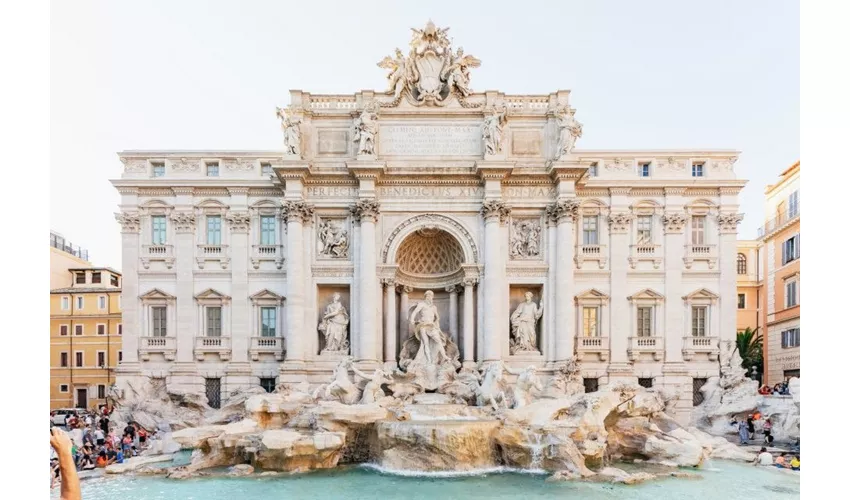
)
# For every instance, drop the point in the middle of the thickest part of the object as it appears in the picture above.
(495, 208)
(239, 222)
(620, 222)
(618, 164)
(674, 222)
(729, 222)
(134, 165)
(184, 222)
(129, 221)
(297, 211)
(366, 210)
(243, 164)
(185, 165)
(563, 210)
(431, 221)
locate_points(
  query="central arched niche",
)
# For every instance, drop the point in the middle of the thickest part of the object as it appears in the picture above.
(430, 254)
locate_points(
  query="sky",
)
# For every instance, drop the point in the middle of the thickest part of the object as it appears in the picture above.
(209, 74)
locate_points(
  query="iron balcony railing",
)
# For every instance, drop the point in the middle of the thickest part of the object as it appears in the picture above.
(778, 221)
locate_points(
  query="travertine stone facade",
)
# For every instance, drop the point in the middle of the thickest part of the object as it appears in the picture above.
(476, 196)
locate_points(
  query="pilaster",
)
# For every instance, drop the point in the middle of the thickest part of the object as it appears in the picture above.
(673, 221)
(366, 213)
(184, 252)
(728, 226)
(295, 213)
(239, 221)
(130, 227)
(494, 213)
(619, 226)
(564, 213)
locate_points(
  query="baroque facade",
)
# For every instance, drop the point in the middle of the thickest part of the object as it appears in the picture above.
(246, 268)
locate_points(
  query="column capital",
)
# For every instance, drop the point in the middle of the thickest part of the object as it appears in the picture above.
(495, 208)
(470, 281)
(184, 222)
(129, 221)
(728, 223)
(405, 289)
(451, 289)
(366, 210)
(389, 282)
(563, 210)
(239, 222)
(674, 222)
(296, 211)
(619, 222)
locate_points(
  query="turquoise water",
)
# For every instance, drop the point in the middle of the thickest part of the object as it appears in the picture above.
(724, 481)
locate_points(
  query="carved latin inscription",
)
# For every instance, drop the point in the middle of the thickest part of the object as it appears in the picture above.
(430, 140)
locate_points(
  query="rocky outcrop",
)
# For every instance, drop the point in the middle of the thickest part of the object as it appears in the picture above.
(719, 448)
(654, 439)
(299, 451)
(132, 464)
(621, 476)
(549, 448)
(155, 408)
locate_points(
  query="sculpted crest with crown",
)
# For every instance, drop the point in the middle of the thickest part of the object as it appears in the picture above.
(431, 72)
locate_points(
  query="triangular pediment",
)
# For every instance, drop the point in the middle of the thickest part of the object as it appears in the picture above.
(266, 294)
(647, 294)
(591, 294)
(702, 293)
(210, 293)
(156, 293)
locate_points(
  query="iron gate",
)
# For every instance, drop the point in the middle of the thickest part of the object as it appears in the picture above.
(591, 384)
(214, 392)
(698, 397)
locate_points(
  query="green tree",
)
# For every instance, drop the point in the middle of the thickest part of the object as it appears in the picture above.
(749, 344)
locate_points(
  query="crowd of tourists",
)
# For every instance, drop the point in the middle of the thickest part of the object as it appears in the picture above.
(747, 429)
(779, 389)
(96, 443)
(783, 461)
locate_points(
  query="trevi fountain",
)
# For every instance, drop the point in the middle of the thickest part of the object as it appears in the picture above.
(531, 388)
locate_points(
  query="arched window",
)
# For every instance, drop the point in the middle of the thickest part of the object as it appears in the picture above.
(742, 264)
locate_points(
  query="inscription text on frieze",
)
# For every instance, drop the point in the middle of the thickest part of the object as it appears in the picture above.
(430, 140)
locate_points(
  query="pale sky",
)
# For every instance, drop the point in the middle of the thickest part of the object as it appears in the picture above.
(208, 75)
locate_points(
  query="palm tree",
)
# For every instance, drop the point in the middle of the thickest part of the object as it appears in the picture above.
(749, 345)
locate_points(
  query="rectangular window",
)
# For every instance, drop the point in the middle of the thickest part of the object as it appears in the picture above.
(781, 209)
(101, 359)
(78, 361)
(120, 329)
(78, 329)
(63, 387)
(212, 169)
(698, 230)
(159, 317)
(101, 329)
(213, 230)
(120, 356)
(66, 303)
(697, 169)
(268, 384)
(794, 204)
(101, 391)
(645, 382)
(593, 169)
(698, 318)
(591, 384)
(791, 338)
(643, 169)
(791, 249)
(267, 230)
(80, 278)
(791, 293)
(80, 303)
(644, 230)
(644, 322)
(268, 319)
(101, 302)
(63, 359)
(742, 301)
(590, 230)
(213, 390)
(266, 168)
(158, 230)
(158, 169)
(63, 330)
(113, 280)
(95, 277)
(590, 321)
(213, 322)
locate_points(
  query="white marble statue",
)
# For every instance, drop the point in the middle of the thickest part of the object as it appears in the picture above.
(334, 326)
(399, 72)
(494, 123)
(341, 388)
(334, 239)
(568, 131)
(366, 130)
(456, 71)
(291, 134)
(524, 325)
(373, 390)
(525, 239)
(527, 386)
(425, 325)
(492, 389)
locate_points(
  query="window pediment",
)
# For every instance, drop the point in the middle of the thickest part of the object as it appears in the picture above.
(647, 295)
(266, 297)
(701, 296)
(592, 296)
(211, 296)
(156, 295)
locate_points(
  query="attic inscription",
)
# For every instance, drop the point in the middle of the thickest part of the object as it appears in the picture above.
(430, 140)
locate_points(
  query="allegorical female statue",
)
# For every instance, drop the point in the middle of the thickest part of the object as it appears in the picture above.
(334, 326)
(524, 325)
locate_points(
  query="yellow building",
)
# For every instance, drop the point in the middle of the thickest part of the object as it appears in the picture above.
(85, 337)
(780, 238)
(63, 256)
(749, 286)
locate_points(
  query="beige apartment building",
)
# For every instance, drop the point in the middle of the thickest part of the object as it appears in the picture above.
(64, 255)
(749, 286)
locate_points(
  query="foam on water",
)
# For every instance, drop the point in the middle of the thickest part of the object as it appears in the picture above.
(449, 474)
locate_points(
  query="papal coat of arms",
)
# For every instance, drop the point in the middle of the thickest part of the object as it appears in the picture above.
(432, 71)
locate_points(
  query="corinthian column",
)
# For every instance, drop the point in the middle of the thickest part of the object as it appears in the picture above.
(728, 225)
(564, 213)
(452, 312)
(295, 213)
(404, 307)
(494, 213)
(674, 245)
(130, 287)
(390, 323)
(240, 333)
(468, 322)
(366, 212)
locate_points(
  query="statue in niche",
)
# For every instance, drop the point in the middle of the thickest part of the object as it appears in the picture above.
(525, 239)
(568, 131)
(366, 130)
(334, 326)
(429, 352)
(334, 239)
(494, 124)
(524, 325)
(291, 134)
